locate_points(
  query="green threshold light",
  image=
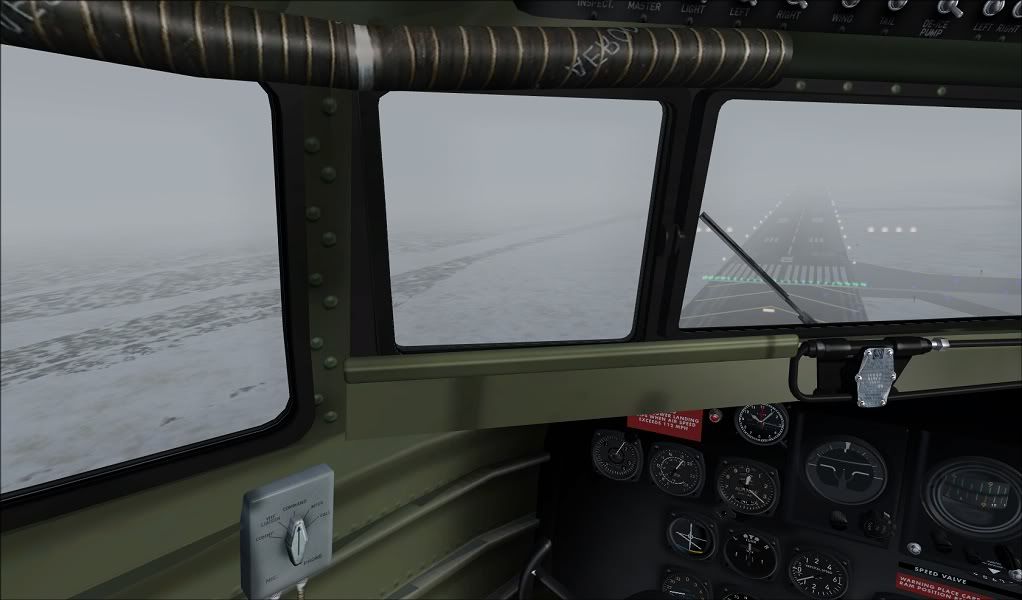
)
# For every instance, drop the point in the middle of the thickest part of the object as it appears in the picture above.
(785, 281)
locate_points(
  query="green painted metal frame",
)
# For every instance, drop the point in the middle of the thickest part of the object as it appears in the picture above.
(565, 358)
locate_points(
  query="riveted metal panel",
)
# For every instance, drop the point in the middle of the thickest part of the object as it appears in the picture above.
(326, 170)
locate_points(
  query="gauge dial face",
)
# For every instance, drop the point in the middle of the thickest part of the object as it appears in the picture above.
(747, 487)
(762, 424)
(846, 470)
(686, 586)
(692, 536)
(676, 469)
(975, 496)
(750, 554)
(736, 596)
(615, 456)
(818, 575)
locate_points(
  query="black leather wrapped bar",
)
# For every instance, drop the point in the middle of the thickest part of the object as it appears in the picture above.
(213, 39)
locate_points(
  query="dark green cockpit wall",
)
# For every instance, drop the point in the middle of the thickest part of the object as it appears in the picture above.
(437, 456)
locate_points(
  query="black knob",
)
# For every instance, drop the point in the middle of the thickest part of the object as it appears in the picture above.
(838, 520)
(941, 540)
(972, 556)
(878, 525)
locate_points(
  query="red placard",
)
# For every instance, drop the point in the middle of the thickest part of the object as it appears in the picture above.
(687, 425)
(935, 589)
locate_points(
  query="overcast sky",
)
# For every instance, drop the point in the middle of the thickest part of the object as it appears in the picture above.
(96, 154)
(457, 162)
(872, 155)
(954, 174)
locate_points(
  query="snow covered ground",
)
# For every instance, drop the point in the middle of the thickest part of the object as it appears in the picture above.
(116, 359)
(123, 362)
(548, 283)
(139, 284)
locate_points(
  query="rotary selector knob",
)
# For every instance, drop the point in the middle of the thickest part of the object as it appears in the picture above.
(1017, 11)
(942, 541)
(799, 3)
(949, 6)
(900, 4)
(878, 525)
(972, 557)
(750, 2)
(296, 540)
(850, 3)
(992, 7)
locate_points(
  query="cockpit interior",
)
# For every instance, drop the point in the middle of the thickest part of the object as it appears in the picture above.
(511, 299)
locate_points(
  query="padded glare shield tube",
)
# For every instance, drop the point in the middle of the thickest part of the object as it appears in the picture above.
(213, 39)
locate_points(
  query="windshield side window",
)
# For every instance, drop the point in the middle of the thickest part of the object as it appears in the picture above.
(141, 291)
(516, 218)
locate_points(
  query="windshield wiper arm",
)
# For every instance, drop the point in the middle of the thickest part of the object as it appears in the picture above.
(802, 315)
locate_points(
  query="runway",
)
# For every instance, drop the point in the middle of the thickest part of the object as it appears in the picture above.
(803, 245)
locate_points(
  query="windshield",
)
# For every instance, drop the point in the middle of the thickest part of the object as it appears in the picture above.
(861, 213)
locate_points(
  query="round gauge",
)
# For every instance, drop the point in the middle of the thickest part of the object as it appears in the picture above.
(615, 456)
(686, 586)
(975, 496)
(692, 536)
(748, 487)
(846, 470)
(750, 554)
(762, 424)
(735, 596)
(818, 575)
(676, 469)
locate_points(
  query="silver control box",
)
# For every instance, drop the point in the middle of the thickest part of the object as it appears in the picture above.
(286, 531)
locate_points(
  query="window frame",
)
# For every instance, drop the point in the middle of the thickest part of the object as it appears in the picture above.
(42, 501)
(372, 321)
(705, 116)
(690, 118)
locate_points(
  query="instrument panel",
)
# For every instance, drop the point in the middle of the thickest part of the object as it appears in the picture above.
(828, 504)
(996, 21)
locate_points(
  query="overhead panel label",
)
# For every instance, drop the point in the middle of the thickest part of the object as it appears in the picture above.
(934, 589)
(687, 425)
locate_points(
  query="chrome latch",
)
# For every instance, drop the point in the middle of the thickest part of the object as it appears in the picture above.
(875, 378)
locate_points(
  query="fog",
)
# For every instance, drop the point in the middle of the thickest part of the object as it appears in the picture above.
(140, 292)
(874, 155)
(97, 165)
(516, 218)
(929, 190)
(140, 281)
(955, 174)
(488, 163)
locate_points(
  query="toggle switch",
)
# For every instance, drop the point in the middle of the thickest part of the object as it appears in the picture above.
(949, 6)
(992, 7)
